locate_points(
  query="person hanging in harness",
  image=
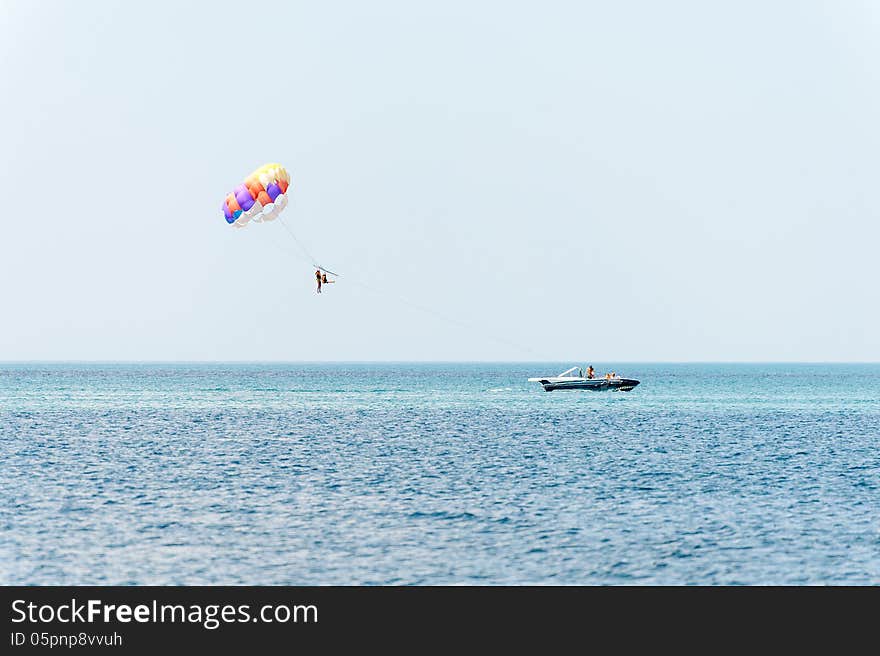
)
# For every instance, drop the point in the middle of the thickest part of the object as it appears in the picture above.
(321, 278)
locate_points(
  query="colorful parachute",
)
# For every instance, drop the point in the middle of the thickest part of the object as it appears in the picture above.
(261, 197)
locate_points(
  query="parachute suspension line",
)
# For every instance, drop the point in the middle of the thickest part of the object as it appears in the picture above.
(305, 250)
(286, 250)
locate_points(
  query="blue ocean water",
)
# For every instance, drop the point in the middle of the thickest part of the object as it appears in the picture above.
(438, 474)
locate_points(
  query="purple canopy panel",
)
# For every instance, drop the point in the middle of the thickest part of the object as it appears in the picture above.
(243, 196)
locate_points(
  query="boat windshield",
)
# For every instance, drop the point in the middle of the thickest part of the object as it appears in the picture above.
(573, 372)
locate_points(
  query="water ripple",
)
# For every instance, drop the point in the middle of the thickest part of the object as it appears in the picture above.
(434, 474)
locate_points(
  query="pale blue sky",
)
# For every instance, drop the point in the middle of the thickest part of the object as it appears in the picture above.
(593, 181)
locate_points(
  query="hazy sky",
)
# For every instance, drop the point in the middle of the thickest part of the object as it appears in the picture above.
(587, 181)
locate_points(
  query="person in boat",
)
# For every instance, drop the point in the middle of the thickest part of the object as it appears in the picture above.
(613, 374)
(590, 372)
(607, 376)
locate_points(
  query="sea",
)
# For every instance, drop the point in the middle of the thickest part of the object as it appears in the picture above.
(438, 473)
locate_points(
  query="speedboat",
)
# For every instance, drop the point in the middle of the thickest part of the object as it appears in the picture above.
(574, 379)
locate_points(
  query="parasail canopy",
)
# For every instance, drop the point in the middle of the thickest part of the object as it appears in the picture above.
(261, 197)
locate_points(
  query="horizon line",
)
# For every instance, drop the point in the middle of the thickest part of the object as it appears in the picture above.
(299, 362)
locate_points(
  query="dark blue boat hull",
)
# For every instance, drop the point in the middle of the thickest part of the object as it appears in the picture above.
(596, 385)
